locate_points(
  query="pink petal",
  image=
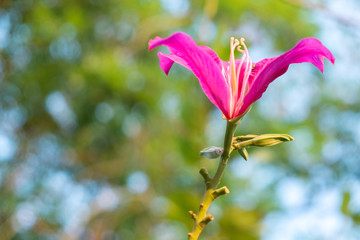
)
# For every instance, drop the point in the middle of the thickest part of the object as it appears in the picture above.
(212, 54)
(307, 50)
(202, 61)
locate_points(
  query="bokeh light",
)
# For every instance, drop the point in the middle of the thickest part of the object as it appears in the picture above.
(96, 142)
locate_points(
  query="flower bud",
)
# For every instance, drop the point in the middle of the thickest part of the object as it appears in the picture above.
(268, 140)
(211, 152)
(265, 140)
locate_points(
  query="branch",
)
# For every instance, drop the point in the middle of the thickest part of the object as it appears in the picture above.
(205, 174)
(202, 218)
(221, 191)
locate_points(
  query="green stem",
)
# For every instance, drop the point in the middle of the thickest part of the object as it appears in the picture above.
(202, 218)
(230, 130)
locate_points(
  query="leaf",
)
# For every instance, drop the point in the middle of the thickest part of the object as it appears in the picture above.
(243, 153)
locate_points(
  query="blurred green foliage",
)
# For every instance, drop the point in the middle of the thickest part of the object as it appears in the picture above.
(97, 143)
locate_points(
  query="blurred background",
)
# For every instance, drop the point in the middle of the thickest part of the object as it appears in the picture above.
(97, 143)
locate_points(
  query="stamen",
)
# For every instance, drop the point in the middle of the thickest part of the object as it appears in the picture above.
(236, 101)
(233, 81)
(233, 44)
(248, 69)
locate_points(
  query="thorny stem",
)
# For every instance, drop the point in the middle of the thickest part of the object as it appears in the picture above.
(211, 193)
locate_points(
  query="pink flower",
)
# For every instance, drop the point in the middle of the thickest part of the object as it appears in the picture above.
(234, 85)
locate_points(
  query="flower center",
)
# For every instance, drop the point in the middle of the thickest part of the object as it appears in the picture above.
(235, 73)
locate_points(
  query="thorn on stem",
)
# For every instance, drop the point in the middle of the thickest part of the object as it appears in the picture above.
(201, 205)
(192, 214)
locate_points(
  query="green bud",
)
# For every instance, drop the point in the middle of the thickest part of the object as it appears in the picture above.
(211, 152)
(244, 138)
(268, 140)
(265, 140)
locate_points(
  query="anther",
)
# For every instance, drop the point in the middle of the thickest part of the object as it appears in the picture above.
(253, 66)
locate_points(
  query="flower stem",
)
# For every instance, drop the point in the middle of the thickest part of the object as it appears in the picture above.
(211, 193)
(230, 130)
